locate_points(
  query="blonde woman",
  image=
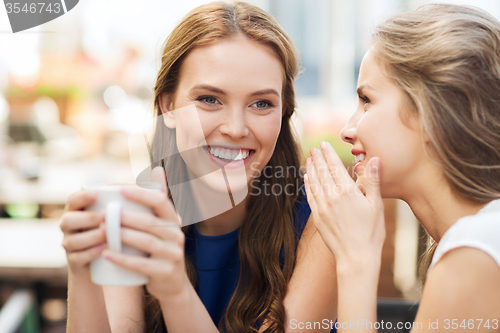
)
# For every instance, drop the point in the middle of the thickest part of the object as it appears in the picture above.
(255, 267)
(426, 131)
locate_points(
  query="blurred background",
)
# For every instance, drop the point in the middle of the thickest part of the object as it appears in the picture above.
(73, 89)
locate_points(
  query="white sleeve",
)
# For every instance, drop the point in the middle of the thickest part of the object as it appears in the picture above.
(481, 231)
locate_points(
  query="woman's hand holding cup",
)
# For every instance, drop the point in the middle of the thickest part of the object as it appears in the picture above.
(159, 235)
(84, 232)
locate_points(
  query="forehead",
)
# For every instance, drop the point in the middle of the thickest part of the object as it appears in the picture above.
(233, 63)
(372, 74)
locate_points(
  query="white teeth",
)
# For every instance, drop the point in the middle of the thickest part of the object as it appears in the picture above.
(359, 158)
(229, 154)
(238, 157)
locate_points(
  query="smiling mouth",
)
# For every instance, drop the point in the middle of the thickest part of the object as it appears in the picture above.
(359, 158)
(228, 154)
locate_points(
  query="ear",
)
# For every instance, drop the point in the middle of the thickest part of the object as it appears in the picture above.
(426, 137)
(166, 106)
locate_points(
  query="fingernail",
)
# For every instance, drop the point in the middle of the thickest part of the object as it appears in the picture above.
(107, 255)
(313, 151)
(93, 194)
(305, 178)
(322, 145)
(308, 161)
(125, 190)
(375, 166)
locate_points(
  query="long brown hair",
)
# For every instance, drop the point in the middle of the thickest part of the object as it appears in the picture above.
(268, 227)
(446, 59)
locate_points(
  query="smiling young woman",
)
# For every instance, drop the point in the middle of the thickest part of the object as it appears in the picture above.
(224, 98)
(426, 131)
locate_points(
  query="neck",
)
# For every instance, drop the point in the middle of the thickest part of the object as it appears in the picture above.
(438, 207)
(225, 222)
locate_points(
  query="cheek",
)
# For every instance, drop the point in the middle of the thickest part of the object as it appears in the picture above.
(266, 130)
(193, 126)
(398, 147)
(209, 121)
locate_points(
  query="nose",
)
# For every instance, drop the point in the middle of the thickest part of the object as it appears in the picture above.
(235, 124)
(348, 133)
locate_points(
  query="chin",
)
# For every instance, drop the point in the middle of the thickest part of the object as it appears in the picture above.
(218, 182)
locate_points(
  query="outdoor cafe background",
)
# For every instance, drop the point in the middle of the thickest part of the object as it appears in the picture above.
(71, 89)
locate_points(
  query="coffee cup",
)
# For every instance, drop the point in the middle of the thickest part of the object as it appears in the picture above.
(112, 202)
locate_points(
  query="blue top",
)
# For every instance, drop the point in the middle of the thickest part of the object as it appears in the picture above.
(217, 262)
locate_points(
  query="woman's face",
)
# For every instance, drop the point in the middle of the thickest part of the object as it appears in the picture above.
(227, 111)
(376, 130)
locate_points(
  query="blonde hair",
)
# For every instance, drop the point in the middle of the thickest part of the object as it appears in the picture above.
(268, 228)
(446, 60)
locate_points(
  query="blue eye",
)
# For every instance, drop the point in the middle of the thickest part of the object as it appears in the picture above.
(207, 99)
(263, 104)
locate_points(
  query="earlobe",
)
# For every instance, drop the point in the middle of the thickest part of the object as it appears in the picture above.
(166, 106)
(426, 138)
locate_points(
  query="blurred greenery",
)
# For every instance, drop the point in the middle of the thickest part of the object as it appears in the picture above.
(22, 210)
(342, 148)
(71, 91)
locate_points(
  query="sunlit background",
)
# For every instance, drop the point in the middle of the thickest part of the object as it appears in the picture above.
(73, 89)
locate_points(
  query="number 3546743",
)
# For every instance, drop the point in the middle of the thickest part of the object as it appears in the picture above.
(470, 324)
(33, 8)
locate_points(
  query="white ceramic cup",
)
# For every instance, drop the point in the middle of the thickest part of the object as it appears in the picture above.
(111, 201)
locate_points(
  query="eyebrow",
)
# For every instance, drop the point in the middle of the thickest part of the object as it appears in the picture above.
(363, 86)
(265, 92)
(222, 92)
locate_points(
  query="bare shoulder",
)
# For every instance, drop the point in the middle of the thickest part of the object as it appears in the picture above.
(125, 306)
(463, 285)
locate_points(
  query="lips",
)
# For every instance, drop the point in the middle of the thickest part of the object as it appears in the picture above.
(359, 157)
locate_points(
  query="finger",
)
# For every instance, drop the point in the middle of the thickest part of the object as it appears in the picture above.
(142, 265)
(157, 201)
(322, 172)
(82, 258)
(151, 224)
(84, 240)
(158, 176)
(372, 181)
(335, 165)
(74, 221)
(81, 200)
(150, 244)
(310, 196)
(315, 188)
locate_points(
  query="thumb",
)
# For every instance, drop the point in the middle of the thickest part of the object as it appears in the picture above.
(158, 176)
(372, 182)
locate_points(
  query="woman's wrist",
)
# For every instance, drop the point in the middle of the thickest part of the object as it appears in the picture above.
(179, 298)
(176, 300)
(82, 276)
(367, 265)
